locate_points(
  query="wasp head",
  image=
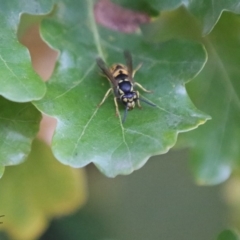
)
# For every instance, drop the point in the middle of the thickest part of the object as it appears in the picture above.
(128, 100)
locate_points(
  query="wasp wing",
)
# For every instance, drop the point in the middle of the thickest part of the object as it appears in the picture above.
(128, 59)
(105, 71)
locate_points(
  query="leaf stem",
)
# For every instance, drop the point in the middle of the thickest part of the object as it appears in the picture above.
(93, 26)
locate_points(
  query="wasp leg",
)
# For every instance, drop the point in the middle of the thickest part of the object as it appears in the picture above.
(105, 96)
(136, 69)
(141, 87)
(116, 105)
(138, 101)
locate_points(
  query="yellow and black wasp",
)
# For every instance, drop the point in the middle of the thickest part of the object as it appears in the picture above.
(122, 82)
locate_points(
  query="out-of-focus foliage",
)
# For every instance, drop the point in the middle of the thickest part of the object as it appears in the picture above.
(215, 146)
(37, 190)
(228, 235)
(19, 124)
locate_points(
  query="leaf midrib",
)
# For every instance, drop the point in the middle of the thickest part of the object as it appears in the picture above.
(10, 70)
(96, 37)
(93, 26)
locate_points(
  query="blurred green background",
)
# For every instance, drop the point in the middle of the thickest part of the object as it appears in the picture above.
(159, 201)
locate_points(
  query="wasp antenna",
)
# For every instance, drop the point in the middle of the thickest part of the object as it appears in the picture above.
(125, 115)
(149, 103)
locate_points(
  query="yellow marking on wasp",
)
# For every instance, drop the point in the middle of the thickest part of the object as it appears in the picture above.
(118, 69)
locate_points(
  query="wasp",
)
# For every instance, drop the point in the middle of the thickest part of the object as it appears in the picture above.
(122, 82)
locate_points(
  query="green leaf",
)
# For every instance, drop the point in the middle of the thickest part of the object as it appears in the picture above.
(19, 124)
(152, 7)
(228, 235)
(36, 191)
(18, 80)
(207, 12)
(2, 168)
(86, 133)
(215, 90)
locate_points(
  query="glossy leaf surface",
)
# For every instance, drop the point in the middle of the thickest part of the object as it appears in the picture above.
(86, 133)
(205, 11)
(18, 80)
(19, 124)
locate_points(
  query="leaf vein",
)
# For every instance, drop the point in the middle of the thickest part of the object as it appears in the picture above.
(93, 25)
(145, 135)
(84, 130)
(125, 143)
(79, 82)
(5, 63)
